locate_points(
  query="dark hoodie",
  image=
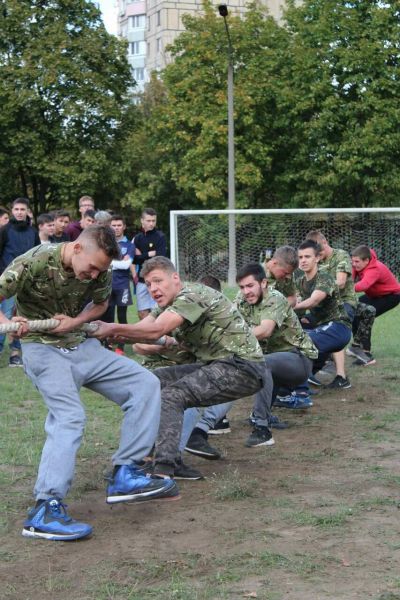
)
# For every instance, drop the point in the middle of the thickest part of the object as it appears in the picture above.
(16, 238)
(375, 279)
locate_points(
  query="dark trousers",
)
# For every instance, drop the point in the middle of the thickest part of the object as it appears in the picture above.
(288, 369)
(383, 303)
(330, 337)
(199, 384)
(361, 333)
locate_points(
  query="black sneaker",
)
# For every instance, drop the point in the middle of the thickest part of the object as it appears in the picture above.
(15, 361)
(198, 444)
(277, 423)
(221, 427)
(339, 383)
(183, 471)
(260, 436)
(314, 381)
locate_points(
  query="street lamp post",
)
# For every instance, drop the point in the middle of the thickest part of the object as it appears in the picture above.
(223, 11)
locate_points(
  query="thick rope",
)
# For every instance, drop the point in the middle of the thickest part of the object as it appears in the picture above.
(43, 325)
(49, 324)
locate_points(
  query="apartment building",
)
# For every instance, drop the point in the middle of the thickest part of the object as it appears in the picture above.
(150, 25)
(132, 23)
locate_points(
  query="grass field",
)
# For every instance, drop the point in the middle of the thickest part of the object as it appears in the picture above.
(316, 517)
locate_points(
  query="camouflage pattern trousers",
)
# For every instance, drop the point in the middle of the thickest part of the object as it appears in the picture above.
(362, 325)
(198, 384)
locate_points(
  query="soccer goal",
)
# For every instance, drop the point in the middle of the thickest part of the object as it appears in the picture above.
(201, 242)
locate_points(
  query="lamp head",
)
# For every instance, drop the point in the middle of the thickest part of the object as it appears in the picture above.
(223, 10)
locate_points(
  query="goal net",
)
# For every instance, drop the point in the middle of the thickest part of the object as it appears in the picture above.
(202, 245)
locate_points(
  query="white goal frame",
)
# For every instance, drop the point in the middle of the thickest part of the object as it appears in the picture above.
(174, 214)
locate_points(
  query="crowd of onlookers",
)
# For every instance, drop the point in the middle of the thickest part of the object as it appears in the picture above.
(18, 235)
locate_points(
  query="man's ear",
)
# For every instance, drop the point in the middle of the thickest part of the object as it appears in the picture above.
(264, 284)
(77, 247)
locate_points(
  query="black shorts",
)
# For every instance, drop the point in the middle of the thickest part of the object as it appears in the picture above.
(121, 298)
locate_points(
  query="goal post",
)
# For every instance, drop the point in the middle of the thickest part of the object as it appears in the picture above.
(199, 239)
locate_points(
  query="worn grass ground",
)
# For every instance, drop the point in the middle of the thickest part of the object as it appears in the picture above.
(316, 517)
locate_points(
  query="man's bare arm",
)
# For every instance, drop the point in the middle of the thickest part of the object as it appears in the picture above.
(265, 329)
(147, 329)
(89, 313)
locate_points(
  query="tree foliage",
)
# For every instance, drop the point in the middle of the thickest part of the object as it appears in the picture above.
(316, 110)
(63, 93)
(346, 81)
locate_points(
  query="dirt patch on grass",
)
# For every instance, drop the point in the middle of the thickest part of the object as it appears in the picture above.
(315, 517)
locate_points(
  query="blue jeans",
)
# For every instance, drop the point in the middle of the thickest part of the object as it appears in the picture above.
(7, 308)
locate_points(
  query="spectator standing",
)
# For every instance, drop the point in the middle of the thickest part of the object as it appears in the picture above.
(121, 296)
(4, 216)
(149, 242)
(75, 228)
(45, 223)
(61, 222)
(16, 237)
(103, 217)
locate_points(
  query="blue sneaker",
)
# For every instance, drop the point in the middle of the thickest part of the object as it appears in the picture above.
(129, 484)
(294, 401)
(50, 521)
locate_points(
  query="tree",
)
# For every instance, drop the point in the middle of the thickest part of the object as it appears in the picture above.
(343, 100)
(185, 131)
(63, 93)
(316, 110)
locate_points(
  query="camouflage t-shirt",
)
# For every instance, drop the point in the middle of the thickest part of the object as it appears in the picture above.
(331, 308)
(174, 356)
(285, 286)
(340, 262)
(44, 288)
(288, 333)
(213, 327)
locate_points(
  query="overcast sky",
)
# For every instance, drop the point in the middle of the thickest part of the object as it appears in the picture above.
(109, 15)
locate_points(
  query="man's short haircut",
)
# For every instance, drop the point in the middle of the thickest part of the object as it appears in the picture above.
(157, 262)
(103, 237)
(118, 218)
(316, 235)
(60, 213)
(287, 255)
(310, 244)
(89, 213)
(21, 201)
(254, 269)
(84, 199)
(362, 252)
(3, 211)
(45, 218)
(103, 217)
(149, 211)
(211, 281)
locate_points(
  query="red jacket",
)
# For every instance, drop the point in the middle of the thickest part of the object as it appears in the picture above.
(375, 279)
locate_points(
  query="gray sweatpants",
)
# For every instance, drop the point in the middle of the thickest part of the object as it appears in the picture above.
(288, 369)
(59, 374)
